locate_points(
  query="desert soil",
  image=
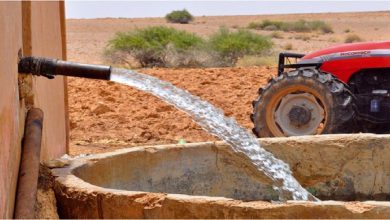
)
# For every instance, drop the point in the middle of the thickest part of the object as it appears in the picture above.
(105, 116)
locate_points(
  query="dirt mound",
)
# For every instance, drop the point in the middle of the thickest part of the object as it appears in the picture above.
(45, 206)
(107, 114)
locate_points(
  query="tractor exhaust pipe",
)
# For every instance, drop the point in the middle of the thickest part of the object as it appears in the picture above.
(49, 68)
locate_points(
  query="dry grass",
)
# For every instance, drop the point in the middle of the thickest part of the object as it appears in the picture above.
(288, 46)
(276, 35)
(353, 38)
(303, 37)
(292, 26)
(269, 61)
(333, 39)
(347, 30)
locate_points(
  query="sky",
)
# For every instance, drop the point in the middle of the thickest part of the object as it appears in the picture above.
(139, 9)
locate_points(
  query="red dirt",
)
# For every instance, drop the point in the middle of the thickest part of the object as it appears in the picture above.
(105, 115)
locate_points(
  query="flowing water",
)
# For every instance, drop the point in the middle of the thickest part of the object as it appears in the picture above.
(215, 122)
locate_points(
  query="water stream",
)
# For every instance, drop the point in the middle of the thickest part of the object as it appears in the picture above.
(216, 123)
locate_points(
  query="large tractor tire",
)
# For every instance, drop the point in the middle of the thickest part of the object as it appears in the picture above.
(303, 102)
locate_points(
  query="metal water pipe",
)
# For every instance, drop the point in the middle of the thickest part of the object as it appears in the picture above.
(26, 193)
(49, 68)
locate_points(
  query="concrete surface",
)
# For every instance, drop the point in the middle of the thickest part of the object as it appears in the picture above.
(46, 38)
(11, 109)
(207, 180)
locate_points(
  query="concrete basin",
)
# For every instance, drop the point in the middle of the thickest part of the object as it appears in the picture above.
(208, 180)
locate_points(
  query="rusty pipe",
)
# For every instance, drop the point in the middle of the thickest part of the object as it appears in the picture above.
(29, 165)
(49, 68)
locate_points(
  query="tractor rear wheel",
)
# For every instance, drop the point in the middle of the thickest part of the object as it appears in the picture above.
(303, 102)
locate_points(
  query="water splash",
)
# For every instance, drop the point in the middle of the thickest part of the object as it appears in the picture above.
(215, 122)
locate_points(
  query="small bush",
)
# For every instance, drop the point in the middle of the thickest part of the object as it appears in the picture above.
(201, 56)
(269, 60)
(233, 45)
(333, 39)
(297, 26)
(303, 37)
(150, 45)
(347, 30)
(276, 35)
(352, 38)
(288, 46)
(179, 16)
(320, 26)
(267, 25)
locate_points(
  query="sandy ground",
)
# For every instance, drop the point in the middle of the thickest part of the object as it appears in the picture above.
(105, 116)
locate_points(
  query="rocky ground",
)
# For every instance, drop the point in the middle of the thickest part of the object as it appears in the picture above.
(105, 115)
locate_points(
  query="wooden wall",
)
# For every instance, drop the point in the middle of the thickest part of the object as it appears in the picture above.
(33, 28)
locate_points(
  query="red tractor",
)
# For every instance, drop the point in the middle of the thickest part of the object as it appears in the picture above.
(341, 89)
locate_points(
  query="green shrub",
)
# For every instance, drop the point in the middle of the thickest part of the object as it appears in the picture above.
(267, 25)
(317, 25)
(254, 25)
(168, 47)
(150, 45)
(352, 38)
(297, 26)
(233, 45)
(179, 16)
(201, 56)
